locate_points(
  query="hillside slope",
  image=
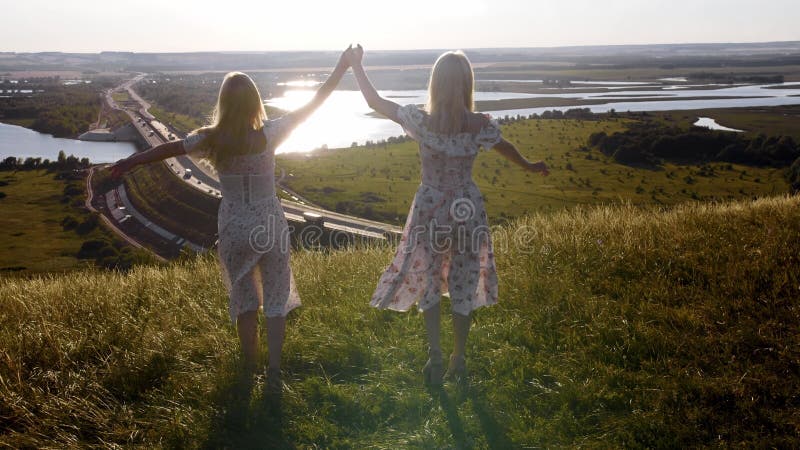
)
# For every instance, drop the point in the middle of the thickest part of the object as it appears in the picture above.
(617, 327)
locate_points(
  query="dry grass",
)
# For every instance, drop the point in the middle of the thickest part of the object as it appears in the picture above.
(617, 327)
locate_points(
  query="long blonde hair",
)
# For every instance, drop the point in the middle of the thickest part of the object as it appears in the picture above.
(238, 111)
(450, 92)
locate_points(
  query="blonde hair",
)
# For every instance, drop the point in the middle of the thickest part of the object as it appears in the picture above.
(238, 111)
(450, 92)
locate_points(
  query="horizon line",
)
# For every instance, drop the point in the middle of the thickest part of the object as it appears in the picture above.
(550, 47)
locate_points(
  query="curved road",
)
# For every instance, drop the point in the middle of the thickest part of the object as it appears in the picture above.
(155, 133)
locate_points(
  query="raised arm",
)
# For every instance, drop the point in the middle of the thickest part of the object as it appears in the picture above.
(386, 107)
(510, 152)
(300, 114)
(157, 153)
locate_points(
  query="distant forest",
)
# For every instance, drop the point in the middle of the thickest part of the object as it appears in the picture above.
(649, 143)
(614, 56)
(63, 111)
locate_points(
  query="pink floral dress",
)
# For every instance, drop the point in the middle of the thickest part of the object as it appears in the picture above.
(254, 239)
(446, 245)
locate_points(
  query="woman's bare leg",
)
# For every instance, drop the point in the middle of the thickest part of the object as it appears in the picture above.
(247, 326)
(432, 372)
(276, 333)
(461, 324)
(433, 327)
(457, 369)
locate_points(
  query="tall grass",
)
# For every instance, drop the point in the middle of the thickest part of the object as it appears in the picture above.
(617, 327)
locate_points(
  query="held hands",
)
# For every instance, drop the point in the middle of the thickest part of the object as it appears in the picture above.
(351, 56)
(344, 61)
(540, 167)
(354, 55)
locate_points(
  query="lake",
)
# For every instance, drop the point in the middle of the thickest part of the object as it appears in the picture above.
(345, 118)
(740, 96)
(707, 122)
(23, 142)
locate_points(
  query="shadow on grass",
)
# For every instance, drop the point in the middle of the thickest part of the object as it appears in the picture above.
(495, 434)
(245, 420)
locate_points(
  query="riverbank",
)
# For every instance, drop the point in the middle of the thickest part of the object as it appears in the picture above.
(21, 142)
(63, 111)
(509, 105)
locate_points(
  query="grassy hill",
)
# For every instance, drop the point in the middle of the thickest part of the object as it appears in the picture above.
(618, 326)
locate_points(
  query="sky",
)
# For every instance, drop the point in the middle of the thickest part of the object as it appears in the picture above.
(237, 25)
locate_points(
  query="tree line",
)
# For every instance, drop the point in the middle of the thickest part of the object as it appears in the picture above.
(63, 163)
(651, 143)
(63, 111)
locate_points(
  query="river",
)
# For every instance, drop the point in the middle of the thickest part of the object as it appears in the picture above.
(23, 142)
(345, 118)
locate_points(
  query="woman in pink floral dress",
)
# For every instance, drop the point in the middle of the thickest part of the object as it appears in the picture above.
(446, 245)
(253, 232)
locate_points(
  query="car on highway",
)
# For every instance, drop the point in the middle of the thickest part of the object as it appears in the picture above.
(187, 174)
(313, 218)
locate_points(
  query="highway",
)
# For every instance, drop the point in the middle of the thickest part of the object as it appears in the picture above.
(204, 178)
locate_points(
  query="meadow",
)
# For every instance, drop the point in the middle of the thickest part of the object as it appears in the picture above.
(772, 121)
(33, 234)
(379, 181)
(617, 327)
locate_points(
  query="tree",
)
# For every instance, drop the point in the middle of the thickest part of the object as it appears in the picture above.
(9, 163)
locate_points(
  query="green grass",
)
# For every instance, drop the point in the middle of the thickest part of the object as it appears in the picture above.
(31, 236)
(27, 123)
(617, 327)
(385, 179)
(181, 122)
(772, 121)
(121, 96)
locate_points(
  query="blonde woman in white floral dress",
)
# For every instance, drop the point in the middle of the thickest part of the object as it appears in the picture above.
(446, 246)
(253, 232)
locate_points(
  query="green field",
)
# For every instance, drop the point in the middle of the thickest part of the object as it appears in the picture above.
(617, 328)
(379, 182)
(121, 96)
(31, 235)
(180, 122)
(772, 121)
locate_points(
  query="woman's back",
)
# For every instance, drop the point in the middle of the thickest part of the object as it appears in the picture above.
(447, 159)
(247, 175)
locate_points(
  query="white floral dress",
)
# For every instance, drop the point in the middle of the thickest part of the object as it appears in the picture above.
(446, 245)
(254, 236)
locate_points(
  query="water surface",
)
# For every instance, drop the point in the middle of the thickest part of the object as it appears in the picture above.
(23, 142)
(345, 118)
